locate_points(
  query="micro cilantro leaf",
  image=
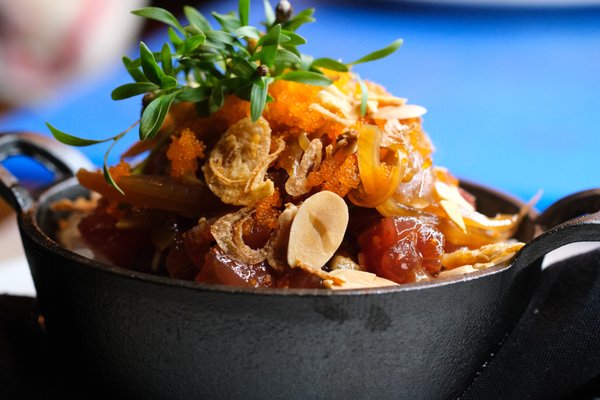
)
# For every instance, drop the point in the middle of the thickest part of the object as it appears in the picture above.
(307, 77)
(174, 37)
(194, 95)
(303, 17)
(166, 60)
(229, 22)
(269, 13)
(269, 44)
(329, 63)
(268, 55)
(204, 64)
(151, 69)
(376, 55)
(167, 82)
(244, 11)
(242, 67)
(73, 140)
(286, 57)
(248, 32)
(192, 43)
(364, 96)
(133, 89)
(272, 37)
(219, 36)
(306, 62)
(195, 18)
(216, 99)
(258, 98)
(159, 14)
(134, 70)
(108, 177)
(293, 38)
(154, 115)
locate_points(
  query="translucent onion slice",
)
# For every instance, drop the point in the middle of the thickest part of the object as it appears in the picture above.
(155, 192)
(379, 179)
(476, 236)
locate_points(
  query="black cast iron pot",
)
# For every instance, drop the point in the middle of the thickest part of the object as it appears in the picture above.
(143, 336)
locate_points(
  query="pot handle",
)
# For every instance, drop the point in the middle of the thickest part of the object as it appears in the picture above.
(59, 159)
(575, 218)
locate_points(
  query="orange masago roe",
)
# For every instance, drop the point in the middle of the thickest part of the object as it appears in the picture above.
(184, 152)
(291, 110)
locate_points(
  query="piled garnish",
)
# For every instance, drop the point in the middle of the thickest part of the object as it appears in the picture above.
(260, 166)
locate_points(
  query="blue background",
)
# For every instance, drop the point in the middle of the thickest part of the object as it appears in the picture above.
(513, 95)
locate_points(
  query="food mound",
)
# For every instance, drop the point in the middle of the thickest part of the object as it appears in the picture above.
(302, 178)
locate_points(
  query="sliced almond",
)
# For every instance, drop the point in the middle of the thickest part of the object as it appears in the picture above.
(317, 230)
(453, 212)
(447, 192)
(406, 111)
(332, 116)
(384, 100)
(465, 269)
(353, 279)
(334, 100)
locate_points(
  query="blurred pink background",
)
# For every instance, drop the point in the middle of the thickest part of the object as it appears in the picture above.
(44, 43)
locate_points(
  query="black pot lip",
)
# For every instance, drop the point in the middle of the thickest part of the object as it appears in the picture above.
(28, 225)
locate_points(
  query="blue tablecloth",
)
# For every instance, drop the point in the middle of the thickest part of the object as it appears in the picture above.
(513, 94)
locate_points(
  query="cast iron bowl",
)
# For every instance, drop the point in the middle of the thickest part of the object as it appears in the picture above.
(145, 336)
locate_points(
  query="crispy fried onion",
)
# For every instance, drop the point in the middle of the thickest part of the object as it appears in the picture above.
(466, 260)
(228, 232)
(278, 244)
(297, 184)
(79, 205)
(236, 168)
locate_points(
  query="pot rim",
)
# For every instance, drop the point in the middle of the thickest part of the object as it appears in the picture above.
(28, 224)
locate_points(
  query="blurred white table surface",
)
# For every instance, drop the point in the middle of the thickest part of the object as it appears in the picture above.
(15, 278)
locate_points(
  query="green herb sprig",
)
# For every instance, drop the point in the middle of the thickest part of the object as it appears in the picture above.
(204, 64)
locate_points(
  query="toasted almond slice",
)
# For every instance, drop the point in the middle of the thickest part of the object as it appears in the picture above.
(325, 112)
(465, 269)
(317, 230)
(354, 279)
(384, 100)
(453, 212)
(372, 107)
(334, 100)
(405, 111)
(447, 192)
